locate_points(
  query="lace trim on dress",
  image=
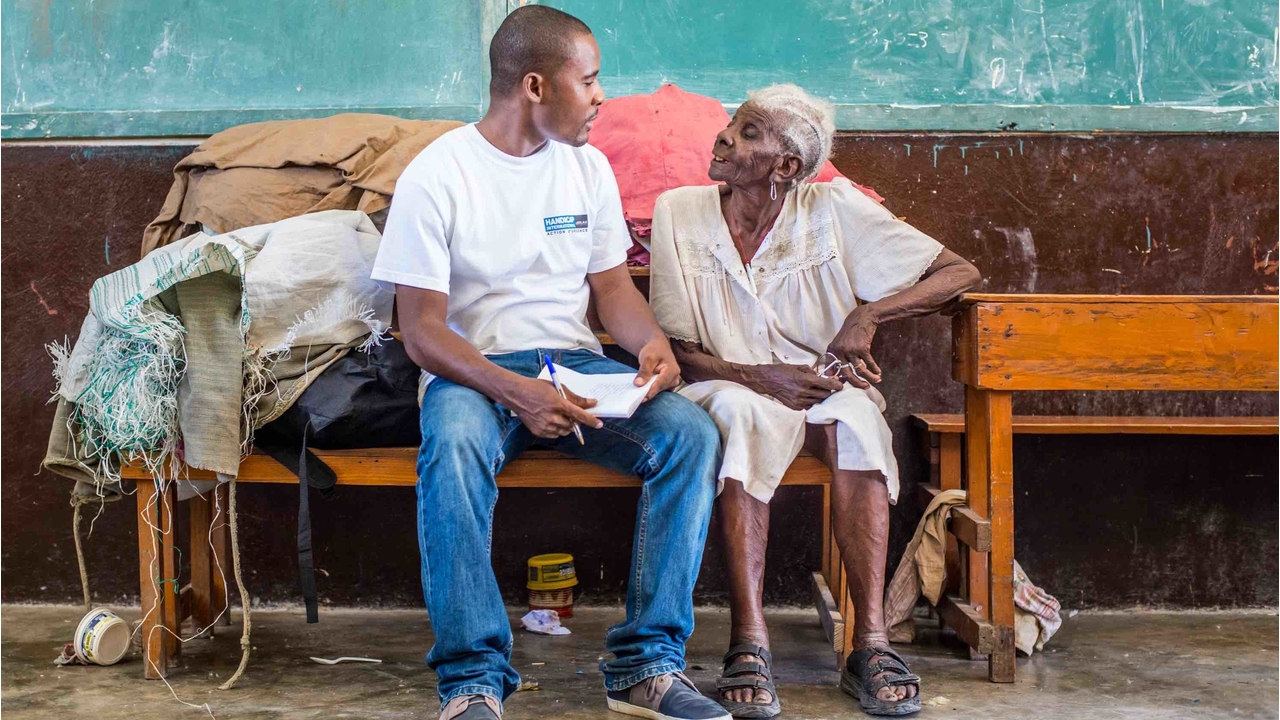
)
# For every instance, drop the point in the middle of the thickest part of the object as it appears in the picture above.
(808, 243)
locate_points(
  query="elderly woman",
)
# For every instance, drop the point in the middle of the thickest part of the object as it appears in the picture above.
(759, 282)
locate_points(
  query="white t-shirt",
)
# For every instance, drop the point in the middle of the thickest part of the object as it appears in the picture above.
(509, 239)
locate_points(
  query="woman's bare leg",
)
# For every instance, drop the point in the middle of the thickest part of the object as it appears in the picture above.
(860, 500)
(744, 524)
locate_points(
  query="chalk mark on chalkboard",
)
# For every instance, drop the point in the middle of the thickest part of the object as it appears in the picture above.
(1044, 37)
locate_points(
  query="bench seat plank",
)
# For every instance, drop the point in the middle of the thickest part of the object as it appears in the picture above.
(535, 468)
(1100, 425)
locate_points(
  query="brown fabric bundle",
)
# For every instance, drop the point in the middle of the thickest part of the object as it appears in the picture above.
(265, 172)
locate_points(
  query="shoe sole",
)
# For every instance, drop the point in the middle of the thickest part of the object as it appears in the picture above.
(626, 708)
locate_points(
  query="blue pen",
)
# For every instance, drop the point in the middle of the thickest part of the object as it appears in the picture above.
(551, 369)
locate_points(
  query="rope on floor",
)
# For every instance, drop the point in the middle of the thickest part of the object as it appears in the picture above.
(244, 596)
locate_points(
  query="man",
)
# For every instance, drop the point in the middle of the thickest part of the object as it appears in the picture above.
(498, 234)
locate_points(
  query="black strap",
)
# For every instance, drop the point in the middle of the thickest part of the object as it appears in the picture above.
(306, 564)
(311, 472)
(319, 475)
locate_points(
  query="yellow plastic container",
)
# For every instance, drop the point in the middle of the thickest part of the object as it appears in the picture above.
(553, 571)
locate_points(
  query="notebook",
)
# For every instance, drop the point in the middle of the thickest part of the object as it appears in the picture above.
(616, 395)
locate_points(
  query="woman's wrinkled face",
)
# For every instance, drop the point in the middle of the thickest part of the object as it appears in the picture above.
(748, 150)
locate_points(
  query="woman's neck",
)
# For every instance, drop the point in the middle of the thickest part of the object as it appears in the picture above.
(749, 212)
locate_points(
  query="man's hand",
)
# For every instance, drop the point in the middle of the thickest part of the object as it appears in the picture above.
(853, 345)
(796, 386)
(657, 359)
(544, 412)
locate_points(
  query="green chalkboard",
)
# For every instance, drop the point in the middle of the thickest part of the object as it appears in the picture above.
(183, 67)
(166, 67)
(905, 63)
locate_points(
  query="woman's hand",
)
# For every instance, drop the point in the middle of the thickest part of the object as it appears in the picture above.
(853, 345)
(796, 386)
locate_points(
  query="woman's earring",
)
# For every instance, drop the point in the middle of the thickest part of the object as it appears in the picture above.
(773, 191)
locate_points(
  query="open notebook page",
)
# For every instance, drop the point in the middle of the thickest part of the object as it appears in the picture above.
(616, 395)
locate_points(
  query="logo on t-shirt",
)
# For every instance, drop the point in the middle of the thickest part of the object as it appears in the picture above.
(561, 224)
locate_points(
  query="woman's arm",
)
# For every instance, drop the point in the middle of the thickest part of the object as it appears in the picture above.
(796, 386)
(943, 282)
(946, 279)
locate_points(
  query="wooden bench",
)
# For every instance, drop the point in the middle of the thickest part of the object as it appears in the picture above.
(204, 598)
(1006, 343)
(942, 441)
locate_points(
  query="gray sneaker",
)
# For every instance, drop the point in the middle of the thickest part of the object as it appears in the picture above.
(472, 707)
(666, 697)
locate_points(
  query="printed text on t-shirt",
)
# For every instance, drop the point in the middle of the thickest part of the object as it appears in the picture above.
(560, 224)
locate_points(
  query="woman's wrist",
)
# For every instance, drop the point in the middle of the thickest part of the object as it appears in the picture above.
(748, 375)
(870, 311)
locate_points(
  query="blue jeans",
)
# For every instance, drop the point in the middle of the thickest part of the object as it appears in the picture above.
(467, 438)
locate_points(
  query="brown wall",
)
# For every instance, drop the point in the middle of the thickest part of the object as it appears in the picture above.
(1102, 521)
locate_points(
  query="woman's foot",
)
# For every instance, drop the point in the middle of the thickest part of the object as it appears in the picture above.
(890, 693)
(746, 685)
(881, 681)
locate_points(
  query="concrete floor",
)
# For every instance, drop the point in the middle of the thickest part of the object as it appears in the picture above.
(1145, 665)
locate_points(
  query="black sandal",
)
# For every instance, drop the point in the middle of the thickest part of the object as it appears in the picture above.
(857, 679)
(731, 679)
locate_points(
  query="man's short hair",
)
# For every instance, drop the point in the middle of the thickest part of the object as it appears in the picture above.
(533, 38)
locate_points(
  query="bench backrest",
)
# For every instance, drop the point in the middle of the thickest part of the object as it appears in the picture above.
(1109, 342)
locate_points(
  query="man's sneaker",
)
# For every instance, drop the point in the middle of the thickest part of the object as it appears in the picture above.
(472, 707)
(666, 697)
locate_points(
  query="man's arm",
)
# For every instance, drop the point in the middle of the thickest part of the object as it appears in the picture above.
(628, 318)
(440, 351)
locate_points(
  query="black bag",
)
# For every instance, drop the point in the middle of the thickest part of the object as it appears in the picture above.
(365, 399)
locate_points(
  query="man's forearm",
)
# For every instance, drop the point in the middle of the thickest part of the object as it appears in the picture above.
(440, 351)
(627, 317)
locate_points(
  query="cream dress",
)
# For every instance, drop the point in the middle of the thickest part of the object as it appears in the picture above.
(830, 246)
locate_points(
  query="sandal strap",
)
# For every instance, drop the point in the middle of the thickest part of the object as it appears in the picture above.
(907, 679)
(891, 663)
(874, 686)
(884, 650)
(745, 667)
(746, 648)
(753, 683)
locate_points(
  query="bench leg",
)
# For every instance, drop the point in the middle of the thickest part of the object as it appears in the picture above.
(849, 616)
(828, 538)
(202, 565)
(168, 508)
(221, 567)
(949, 474)
(157, 563)
(989, 436)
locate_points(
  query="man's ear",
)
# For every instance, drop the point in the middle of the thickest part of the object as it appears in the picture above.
(534, 87)
(787, 170)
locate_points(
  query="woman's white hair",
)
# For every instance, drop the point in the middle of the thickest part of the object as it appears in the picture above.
(806, 124)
